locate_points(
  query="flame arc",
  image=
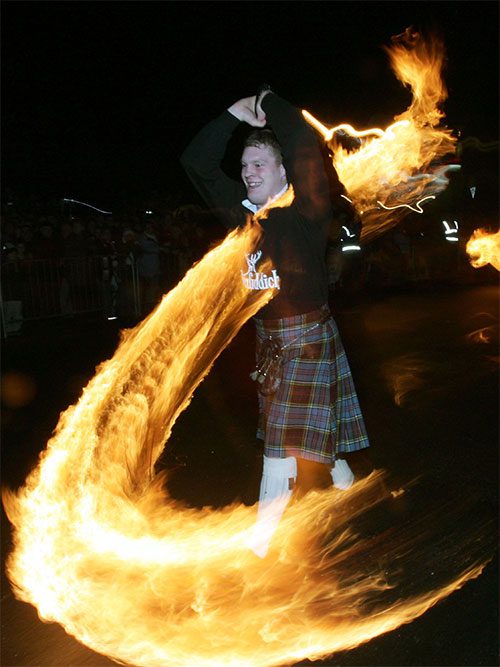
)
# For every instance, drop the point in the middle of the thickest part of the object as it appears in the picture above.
(101, 549)
(404, 162)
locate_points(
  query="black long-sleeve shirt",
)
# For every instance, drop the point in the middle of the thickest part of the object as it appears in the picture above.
(294, 237)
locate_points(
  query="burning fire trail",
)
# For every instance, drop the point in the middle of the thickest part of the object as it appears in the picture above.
(397, 169)
(101, 549)
(484, 248)
(404, 375)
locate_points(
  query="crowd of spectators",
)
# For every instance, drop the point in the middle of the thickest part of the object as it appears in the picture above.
(131, 260)
(137, 260)
(28, 236)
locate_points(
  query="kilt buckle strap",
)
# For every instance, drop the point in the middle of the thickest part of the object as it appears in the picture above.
(268, 369)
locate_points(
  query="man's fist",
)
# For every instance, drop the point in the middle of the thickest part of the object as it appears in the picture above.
(245, 110)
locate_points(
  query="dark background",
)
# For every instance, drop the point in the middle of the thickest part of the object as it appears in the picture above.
(100, 98)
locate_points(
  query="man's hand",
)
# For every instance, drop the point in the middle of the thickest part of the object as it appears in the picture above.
(245, 110)
(264, 90)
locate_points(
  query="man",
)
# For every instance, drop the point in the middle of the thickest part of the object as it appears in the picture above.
(309, 413)
(148, 267)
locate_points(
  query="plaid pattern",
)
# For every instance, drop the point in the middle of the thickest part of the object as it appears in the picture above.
(315, 413)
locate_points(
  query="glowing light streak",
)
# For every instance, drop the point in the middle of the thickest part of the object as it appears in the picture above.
(343, 127)
(348, 232)
(352, 247)
(413, 207)
(328, 133)
(82, 203)
(450, 228)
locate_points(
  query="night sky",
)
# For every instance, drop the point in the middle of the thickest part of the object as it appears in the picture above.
(100, 98)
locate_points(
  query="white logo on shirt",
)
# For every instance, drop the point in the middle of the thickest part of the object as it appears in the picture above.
(255, 280)
(252, 261)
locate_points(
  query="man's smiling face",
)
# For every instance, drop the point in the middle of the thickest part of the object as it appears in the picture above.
(264, 177)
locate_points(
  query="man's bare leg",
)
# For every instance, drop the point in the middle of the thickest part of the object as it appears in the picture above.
(311, 475)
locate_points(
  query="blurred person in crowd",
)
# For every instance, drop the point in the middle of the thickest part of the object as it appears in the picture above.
(46, 246)
(69, 242)
(23, 254)
(13, 284)
(148, 266)
(73, 275)
(27, 238)
(106, 253)
(309, 414)
(403, 243)
(128, 297)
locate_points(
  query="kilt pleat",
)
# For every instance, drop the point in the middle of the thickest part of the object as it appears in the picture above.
(315, 413)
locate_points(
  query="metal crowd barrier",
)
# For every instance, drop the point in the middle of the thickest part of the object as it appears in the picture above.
(47, 288)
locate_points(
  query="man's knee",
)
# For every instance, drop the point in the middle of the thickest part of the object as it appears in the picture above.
(312, 475)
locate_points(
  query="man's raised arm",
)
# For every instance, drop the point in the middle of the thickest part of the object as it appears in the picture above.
(203, 156)
(304, 162)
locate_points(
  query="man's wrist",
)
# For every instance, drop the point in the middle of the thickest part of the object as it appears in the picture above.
(234, 112)
(240, 110)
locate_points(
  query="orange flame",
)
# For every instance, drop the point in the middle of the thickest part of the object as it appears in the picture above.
(285, 200)
(483, 247)
(395, 169)
(101, 549)
(404, 375)
(484, 335)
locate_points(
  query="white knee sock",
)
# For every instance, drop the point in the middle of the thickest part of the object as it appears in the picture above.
(342, 475)
(275, 494)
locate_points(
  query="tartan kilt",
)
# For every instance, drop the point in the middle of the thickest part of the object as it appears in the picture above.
(315, 412)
